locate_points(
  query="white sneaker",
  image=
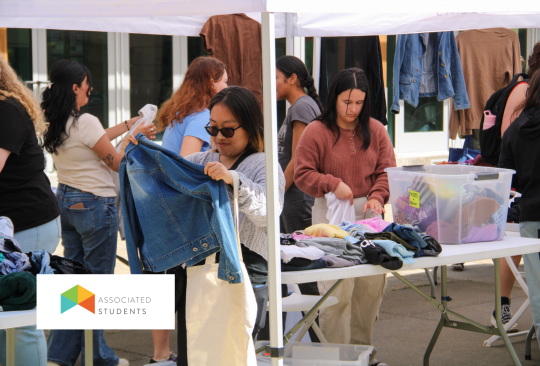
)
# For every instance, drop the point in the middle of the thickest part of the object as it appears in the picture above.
(123, 362)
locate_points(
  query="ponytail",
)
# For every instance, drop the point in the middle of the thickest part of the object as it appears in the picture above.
(312, 91)
(290, 65)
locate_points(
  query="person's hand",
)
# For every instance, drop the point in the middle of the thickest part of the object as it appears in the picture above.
(131, 122)
(217, 171)
(343, 192)
(149, 130)
(375, 207)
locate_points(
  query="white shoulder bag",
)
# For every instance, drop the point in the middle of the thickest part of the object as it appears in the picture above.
(220, 316)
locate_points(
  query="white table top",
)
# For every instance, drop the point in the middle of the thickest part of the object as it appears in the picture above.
(452, 253)
(15, 319)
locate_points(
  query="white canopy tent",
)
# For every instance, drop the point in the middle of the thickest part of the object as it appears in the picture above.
(336, 18)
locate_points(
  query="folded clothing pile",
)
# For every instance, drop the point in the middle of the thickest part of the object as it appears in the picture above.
(373, 241)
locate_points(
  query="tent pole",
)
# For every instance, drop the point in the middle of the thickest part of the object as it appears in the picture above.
(316, 73)
(272, 185)
(289, 40)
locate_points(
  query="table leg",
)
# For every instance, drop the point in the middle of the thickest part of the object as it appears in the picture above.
(528, 341)
(431, 282)
(500, 326)
(444, 316)
(307, 317)
(434, 338)
(10, 347)
(89, 347)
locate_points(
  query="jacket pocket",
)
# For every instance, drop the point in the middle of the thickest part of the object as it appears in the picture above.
(405, 79)
(82, 219)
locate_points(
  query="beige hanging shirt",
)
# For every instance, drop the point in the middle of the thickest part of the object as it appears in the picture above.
(490, 58)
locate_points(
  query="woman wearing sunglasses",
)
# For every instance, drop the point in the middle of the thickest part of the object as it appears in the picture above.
(185, 114)
(236, 129)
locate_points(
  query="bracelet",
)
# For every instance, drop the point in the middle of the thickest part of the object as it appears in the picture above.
(127, 126)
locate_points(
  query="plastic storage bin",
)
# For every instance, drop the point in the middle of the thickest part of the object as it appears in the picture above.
(320, 354)
(453, 203)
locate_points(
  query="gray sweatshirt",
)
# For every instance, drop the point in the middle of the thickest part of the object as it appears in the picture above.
(251, 198)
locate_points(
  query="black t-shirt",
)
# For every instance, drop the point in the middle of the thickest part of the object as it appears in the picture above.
(25, 191)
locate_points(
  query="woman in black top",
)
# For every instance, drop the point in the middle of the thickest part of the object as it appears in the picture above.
(519, 151)
(25, 193)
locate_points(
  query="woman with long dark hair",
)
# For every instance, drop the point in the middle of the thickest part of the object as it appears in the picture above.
(345, 152)
(185, 114)
(84, 156)
(25, 193)
(519, 151)
(292, 82)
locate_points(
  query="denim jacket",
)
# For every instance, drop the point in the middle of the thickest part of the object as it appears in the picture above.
(428, 65)
(174, 213)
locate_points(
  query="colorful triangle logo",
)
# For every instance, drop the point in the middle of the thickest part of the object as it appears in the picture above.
(77, 295)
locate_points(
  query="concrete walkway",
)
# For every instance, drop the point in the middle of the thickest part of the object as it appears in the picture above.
(405, 325)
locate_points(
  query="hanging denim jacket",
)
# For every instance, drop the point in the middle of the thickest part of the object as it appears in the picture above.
(428, 65)
(174, 213)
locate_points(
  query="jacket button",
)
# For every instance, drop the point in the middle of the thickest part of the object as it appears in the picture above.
(442, 64)
(445, 76)
(419, 57)
(232, 278)
(417, 69)
(440, 53)
(205, 245)
(195, 249)
(414, 81)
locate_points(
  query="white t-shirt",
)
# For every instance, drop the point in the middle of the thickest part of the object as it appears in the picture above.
(77, 164)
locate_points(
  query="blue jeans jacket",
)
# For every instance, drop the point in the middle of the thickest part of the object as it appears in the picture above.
(445, 79)
(409, 235)
(174, 213)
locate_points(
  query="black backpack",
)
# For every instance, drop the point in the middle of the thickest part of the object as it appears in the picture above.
(490, 139)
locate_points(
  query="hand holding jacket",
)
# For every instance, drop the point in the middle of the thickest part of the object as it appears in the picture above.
(217, 171)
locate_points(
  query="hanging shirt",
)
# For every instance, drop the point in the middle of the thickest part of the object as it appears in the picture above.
(490, 58)
(428, 65)
(235, 39)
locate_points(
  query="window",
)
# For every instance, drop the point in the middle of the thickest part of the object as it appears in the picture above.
(150, 67)
(195, 49)
(89, 49)
(20, 52)
(426, 117)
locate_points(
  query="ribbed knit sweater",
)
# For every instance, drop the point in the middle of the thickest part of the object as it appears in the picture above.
(321, 165)
(251, 198)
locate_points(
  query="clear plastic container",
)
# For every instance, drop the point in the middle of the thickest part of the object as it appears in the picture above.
(455, 204)
(320, 354)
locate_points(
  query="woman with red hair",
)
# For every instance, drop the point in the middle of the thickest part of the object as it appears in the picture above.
(184, 116)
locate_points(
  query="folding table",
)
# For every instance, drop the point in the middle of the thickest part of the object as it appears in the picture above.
(495, 250)
(9, 320)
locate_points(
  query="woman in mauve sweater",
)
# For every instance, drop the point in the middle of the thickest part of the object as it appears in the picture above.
(345, 152)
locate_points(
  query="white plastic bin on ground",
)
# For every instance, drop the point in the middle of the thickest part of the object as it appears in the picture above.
(320, 354)
(453, 203)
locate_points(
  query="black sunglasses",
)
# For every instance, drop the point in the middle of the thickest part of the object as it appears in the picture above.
(227, 132)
